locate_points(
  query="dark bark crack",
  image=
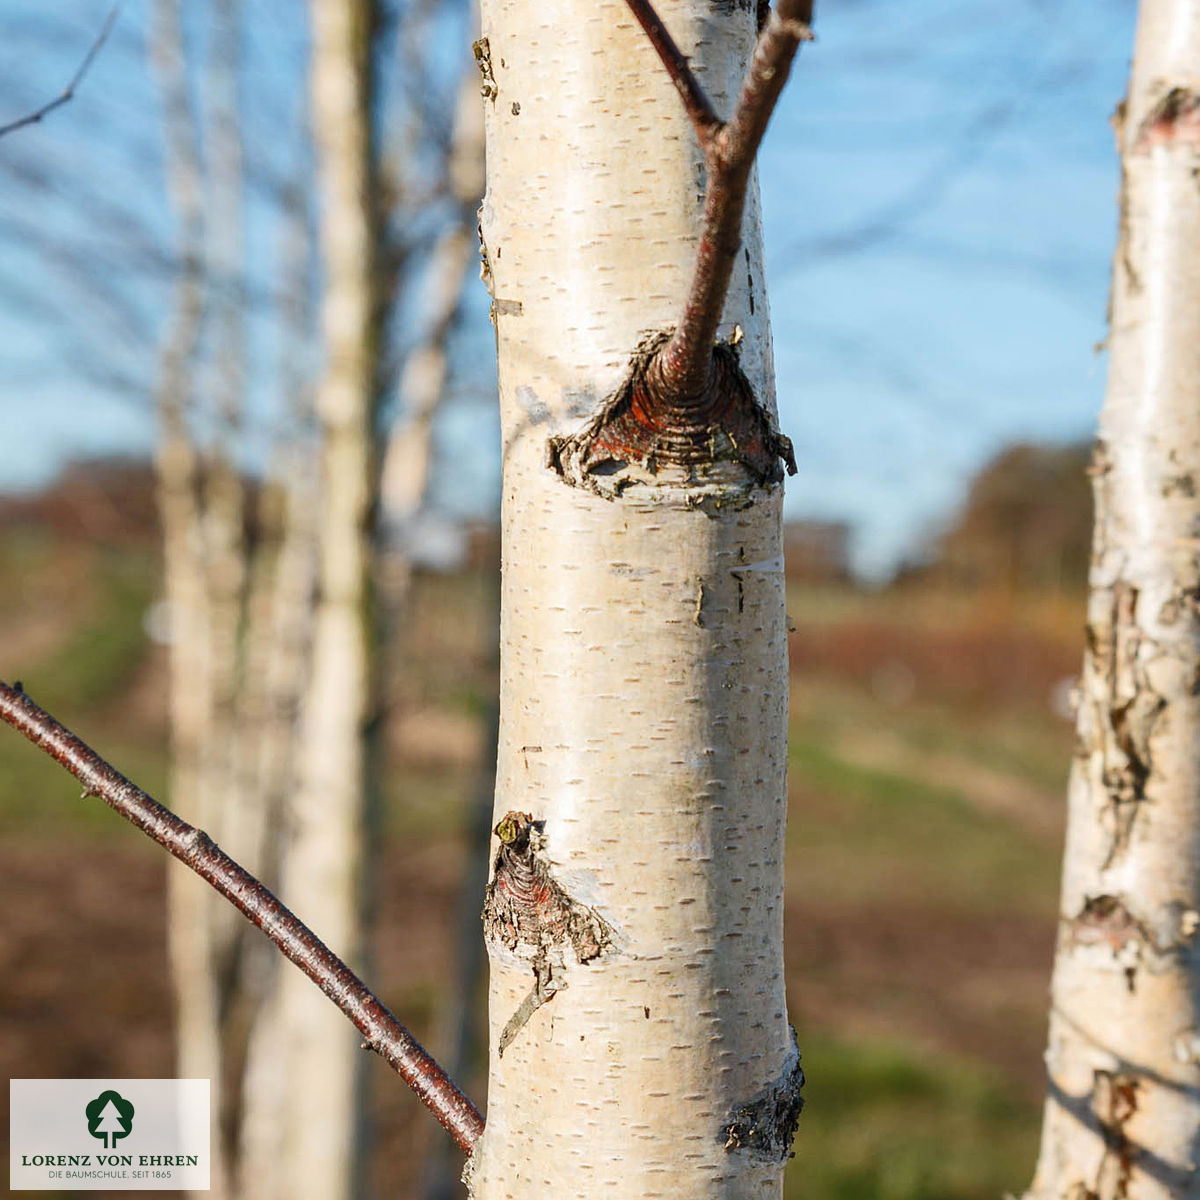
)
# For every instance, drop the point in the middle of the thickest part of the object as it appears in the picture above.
(1114, 1102)
(766, 1125)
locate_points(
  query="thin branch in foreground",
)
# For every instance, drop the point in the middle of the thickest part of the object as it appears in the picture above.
(682, 368)
(69, 91)
(382, 1032)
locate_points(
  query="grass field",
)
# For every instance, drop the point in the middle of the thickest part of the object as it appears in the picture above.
(927, 773)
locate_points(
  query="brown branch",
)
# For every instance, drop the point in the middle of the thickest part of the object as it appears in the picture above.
(695, 100)
(69, 91)
(382, 1032)
(683, 366)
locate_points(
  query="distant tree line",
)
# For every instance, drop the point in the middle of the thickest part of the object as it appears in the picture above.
(1025, 524)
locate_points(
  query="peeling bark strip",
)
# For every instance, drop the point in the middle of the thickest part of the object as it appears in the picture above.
(1126, 707)
(530, 913)
(641, 437)
(767, 1124)
(1107, 921)
(483, 60)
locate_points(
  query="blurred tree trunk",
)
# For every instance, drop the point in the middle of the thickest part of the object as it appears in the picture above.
(317, 1074)
(1122, 1118)
(279, 634)
(224, 518)
(254, 657)
(404, 496)
(178, 469)
(408, 461)
(639, 1038)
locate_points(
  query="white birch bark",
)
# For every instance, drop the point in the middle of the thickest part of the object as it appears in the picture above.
(1122, 1119)
(318, 1072)
(644, 682)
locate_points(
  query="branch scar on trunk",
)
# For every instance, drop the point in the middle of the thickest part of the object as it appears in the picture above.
(531, 914)
(721, 446)
(686, 413)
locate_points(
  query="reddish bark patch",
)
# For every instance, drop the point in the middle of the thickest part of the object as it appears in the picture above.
(1174, 120)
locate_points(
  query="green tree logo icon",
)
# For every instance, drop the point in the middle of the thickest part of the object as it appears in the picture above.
(109, 1117)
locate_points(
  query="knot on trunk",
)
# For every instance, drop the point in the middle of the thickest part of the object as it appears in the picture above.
(716, 448)
(527, 910)
(530, 913)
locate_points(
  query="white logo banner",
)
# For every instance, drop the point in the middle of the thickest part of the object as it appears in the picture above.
(108, 1134)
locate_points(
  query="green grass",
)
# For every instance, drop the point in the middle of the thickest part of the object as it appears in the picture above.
(97, 658)
(882, 1123)
(868, 835)
(1031, 745)
(76, 681)
(26, 556)
(38, 797)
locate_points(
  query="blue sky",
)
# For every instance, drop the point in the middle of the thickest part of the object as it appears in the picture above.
(939, 196)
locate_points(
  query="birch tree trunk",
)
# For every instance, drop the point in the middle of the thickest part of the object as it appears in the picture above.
(639, 1038)
(319, 1069)
(1123, 1114)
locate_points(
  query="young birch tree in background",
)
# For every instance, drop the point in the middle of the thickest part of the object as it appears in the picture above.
(1122, 1118)
(639, 1037)
(407, 468)
(178, 463)
(306, 1056)
(254, 656)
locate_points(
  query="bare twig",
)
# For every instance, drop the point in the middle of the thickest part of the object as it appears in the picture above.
(381, 1031)
(695, 101)
(69, 91)
(683, 365)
